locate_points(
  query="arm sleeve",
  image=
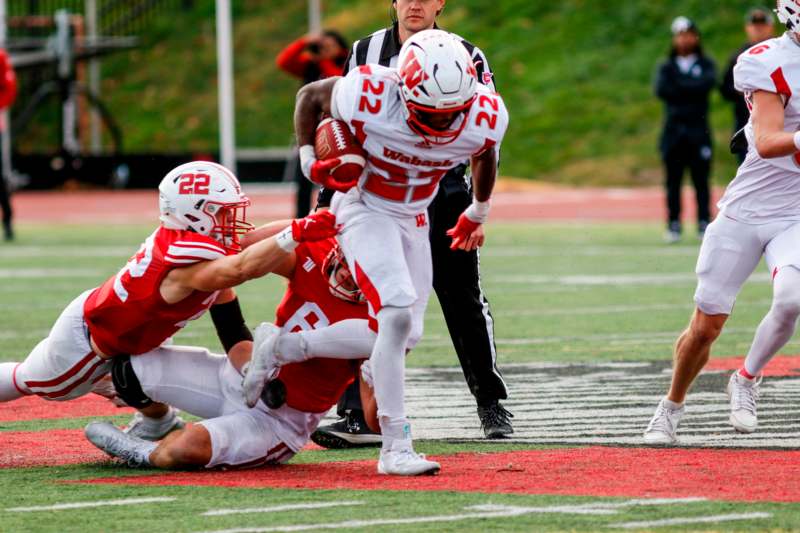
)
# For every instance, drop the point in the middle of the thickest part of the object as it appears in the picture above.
(752, 74)
(291, 58)
(345, 95)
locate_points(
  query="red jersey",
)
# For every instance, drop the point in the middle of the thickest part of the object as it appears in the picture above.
(315, 385)
(127, 315)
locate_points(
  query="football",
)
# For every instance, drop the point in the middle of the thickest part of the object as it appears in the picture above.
(334, 140)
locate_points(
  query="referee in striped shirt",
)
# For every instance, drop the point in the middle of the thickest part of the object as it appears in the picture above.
(456, 274)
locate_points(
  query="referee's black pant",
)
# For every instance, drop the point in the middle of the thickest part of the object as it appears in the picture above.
(697, 158)
(5, 205)
(456, 280)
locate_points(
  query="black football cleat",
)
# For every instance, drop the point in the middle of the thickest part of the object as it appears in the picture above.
(349, 432)
(495, 420)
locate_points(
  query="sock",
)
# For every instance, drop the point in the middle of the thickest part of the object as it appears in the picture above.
(8, 391)
(669, 404)
(779, 325)
(388, 372)
(745, 374)
(393, 429)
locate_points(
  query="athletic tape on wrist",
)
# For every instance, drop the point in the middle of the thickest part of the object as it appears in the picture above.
(478, 212)
(286, 241)
(307, 159)
(797, 140)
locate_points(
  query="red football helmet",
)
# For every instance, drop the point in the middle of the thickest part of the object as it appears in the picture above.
(341, 282)
(438, 82)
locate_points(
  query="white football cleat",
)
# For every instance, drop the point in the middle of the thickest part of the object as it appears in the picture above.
(132, 451)
(154, 429)
(743, 395)
(663, 425)
(402, 460)
(263, 366)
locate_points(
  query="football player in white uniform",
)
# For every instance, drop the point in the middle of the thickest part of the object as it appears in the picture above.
(415, 122)
(759, 215)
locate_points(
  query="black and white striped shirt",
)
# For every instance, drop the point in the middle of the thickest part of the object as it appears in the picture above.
(383, 47)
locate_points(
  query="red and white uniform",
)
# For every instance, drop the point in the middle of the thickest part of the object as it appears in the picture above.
(124, 315)
(385, 229)
(760, 210)
(244, 437)
(127, 315)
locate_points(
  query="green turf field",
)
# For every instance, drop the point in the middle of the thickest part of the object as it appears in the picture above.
(559, 292)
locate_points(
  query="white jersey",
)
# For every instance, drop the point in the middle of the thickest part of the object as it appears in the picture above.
(403, 171)
(765, 190)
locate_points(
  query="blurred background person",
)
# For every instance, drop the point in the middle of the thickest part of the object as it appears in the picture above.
(759, 26)
(8, 93)
(312, 57)
(684, 82)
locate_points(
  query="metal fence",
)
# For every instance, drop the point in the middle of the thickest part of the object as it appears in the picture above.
(115, 17)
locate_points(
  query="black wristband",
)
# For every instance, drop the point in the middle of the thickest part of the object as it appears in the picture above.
(229, 323)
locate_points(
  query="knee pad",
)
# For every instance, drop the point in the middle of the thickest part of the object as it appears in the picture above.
(396, 319)
(127, 383)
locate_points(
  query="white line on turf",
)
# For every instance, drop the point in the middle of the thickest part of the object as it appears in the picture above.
(48, 273)
(279, 508)
(82, 505)
(690, 520)
(483, 511)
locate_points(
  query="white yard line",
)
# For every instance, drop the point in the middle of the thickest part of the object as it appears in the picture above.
(49, 273)
(484, 511)
(691, 520)
(83, 505)
(280, 508)
(649, 278)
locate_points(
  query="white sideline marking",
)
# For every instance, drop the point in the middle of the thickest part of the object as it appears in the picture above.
(484, 511)
(81, 505)
(690, 520)
(279, 508)
(38, 273)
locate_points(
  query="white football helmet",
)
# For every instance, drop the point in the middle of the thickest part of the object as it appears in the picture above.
(205, 198)
(788, 12)
(437, 76)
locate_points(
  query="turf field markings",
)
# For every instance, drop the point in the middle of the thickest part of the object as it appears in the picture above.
(650, 279)
(481, 511)
(49, 273)
(691, 520)
(279, 508)
(82, 505)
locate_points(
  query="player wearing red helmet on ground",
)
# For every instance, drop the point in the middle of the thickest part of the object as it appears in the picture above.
(415, 122)
(321, 296)
(759, 216)
(187, 266)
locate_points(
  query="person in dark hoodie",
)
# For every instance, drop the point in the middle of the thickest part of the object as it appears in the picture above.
(684, 82)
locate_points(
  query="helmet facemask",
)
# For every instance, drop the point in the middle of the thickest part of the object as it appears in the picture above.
(341, 282)
(230, 222)
(418, 121)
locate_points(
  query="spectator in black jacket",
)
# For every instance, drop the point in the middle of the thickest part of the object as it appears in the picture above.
(759, 26)
(684, 83)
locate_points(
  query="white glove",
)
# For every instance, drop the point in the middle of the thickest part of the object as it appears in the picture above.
(366, 373)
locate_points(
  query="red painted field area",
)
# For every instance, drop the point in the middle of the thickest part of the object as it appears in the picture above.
(35, 408)
(596, 471)
(532, 202)
(52, 448)
(778, 367)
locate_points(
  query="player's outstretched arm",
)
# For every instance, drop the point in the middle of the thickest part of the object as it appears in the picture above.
(264, 232)
(275, 254)
(468, 232)
(768, 115)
